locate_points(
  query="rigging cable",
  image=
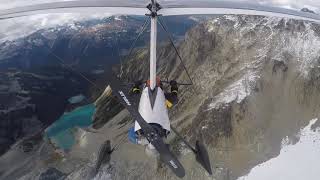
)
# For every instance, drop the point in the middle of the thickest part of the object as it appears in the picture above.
(161, 22)
(145, 24)
(116, 147)
(118, 52)
(62, 62)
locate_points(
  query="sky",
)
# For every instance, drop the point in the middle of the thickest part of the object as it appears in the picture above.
(294, 4)
(19, 27)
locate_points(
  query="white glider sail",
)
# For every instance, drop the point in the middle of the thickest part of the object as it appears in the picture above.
(123, 7)
(189, 7)
(169, 8)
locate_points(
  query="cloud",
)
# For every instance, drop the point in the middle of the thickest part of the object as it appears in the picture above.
(19, 27)
(7, 4)
(294, 4)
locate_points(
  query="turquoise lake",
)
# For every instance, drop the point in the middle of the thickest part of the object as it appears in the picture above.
(61, 131)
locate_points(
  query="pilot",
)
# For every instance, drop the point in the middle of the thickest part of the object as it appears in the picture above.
(163, 125)
(171, 97)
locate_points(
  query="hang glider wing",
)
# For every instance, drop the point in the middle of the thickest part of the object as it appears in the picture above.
(204, 7)
(123, 7)
(169, 8)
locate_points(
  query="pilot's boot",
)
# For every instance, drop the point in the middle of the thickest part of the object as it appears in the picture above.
(172, 97)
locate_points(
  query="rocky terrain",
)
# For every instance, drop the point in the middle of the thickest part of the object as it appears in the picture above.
(38, 73)
(30, 101)
(256, 82)
(87, 46)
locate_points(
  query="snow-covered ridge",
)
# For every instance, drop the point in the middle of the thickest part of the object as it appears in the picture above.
(304, 43)
(274, 36)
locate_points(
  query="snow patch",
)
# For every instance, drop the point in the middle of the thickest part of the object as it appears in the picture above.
(295, 162)
(237, 91)
(305, 46)
(184, 149)
(117, 18)
(76, 99)
(103, 175)
(83, 140)
(98, 71)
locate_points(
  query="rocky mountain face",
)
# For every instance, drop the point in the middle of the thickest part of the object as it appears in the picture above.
(256, 82)
(86, 46)
(30, 101)
(83, 45)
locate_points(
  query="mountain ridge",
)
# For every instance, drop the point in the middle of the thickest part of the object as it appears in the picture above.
(241, 70)
(256, 83)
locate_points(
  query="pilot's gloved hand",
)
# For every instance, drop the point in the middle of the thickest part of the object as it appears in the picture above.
(174, 87)
(136, 88)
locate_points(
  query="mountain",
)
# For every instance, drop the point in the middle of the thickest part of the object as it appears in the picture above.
(305, 151)
(83, 45)
(40, 72)
(256, 84)
(307, 10)
(30, 101)
(92, 43)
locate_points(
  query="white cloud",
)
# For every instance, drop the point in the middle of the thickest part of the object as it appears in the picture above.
(6, 4)
(294, 4)
(18, 27)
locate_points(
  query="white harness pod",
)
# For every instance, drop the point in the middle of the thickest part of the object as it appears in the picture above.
(158, 114)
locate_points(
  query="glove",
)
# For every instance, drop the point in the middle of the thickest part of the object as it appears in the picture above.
(136, 88)
(174, 87)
